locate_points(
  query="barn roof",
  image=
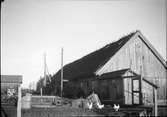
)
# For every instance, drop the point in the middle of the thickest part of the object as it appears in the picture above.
(11, 79)
(87, 65)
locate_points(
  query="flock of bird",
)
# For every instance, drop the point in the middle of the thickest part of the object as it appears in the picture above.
(99, 106)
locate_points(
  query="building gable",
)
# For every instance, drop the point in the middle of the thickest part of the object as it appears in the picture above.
(129, 49)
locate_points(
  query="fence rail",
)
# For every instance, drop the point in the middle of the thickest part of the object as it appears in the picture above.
(46, 100)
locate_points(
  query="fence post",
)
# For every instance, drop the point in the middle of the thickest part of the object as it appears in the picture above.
(19, 101)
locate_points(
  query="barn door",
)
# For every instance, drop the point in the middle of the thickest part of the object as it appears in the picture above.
(136, 91)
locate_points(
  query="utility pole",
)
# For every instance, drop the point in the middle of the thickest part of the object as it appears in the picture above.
(41, 88)
(44, 69)
(61, 72)
(44, 82)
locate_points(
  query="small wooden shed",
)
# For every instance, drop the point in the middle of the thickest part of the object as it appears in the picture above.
(11, 92)
(10, 83)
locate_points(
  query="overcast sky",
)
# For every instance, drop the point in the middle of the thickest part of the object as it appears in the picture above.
(31, 27)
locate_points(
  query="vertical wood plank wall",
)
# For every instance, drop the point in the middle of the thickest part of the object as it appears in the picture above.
(135, 54)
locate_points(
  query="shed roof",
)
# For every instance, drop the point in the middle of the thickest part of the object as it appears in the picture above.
(150, 83)
(11, 79)
(121, 74)
(117, 74)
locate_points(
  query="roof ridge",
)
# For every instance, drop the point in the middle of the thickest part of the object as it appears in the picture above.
(92, 61)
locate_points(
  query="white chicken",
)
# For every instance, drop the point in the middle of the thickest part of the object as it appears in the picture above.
(116, 107)
(100, 106)
(90, 105)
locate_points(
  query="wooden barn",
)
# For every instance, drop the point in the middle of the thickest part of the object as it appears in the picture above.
(129, 71)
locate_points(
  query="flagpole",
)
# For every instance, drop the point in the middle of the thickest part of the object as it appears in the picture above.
(61, 72)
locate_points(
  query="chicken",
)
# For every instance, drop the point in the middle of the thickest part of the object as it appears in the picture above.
(100, 106)
(116, 107)
(90, 105)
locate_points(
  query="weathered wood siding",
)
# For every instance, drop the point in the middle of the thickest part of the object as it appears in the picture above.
(135, 54)
(109, 91)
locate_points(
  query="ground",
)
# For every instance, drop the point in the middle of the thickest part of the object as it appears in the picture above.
(10, 111)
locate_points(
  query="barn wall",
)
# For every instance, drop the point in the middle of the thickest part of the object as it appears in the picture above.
(127, 91)
(154, 71)
(147, 97)
(137, 56)
(109, 90)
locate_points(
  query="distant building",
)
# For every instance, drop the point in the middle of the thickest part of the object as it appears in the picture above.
(9, 87)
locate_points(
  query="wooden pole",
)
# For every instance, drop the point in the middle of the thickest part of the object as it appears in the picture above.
(61, 72)
(19, 102)
(44, 69)
(155, 102)
(41, 95)
(41, 91)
